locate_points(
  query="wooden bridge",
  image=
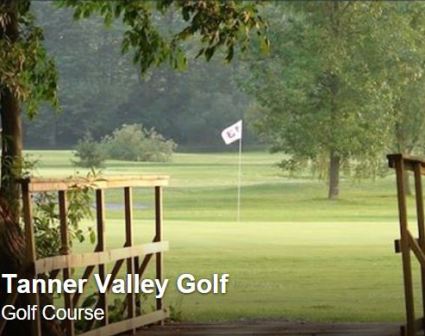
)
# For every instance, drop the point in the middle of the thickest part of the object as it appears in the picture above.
(135, 257)
(408, 245)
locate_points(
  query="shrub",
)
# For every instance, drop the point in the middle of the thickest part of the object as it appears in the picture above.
(135, 143)
(46, 218)
(89, 153)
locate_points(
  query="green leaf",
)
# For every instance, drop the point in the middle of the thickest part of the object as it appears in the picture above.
(265, 45)
(209, 53)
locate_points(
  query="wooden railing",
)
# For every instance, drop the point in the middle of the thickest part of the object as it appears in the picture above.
(135, 257)
(408, 243)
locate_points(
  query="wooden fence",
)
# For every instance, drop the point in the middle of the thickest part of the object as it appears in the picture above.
(135, 257)
(408, 243)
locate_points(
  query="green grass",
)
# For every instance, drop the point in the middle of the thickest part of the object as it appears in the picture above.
(294, 255)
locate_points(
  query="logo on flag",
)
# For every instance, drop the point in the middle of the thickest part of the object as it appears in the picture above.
(232, 133)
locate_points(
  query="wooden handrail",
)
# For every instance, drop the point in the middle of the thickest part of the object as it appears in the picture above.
(409, 161)
(66, 261)
(95, 258)
(49, 184)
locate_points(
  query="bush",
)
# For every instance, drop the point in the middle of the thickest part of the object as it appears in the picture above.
(135, 143)
(89, 153)
(46, 218)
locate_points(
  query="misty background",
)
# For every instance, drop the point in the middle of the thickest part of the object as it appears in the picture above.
(100, 89)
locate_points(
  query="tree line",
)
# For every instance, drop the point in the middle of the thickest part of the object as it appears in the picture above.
(343, 84)
(340, 87)
(100, 89)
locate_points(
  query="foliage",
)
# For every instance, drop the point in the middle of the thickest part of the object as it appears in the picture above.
(324, 92)
(116, 308)
(219, 24)
(105, 94)
(88, 302)
(46, 218)
(89, 153)
(26, 69)
(135, 143)
(176, 310)
(30, 74)
(404, 70)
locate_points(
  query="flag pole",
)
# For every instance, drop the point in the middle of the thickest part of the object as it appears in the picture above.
(239, 181)
(230, 135)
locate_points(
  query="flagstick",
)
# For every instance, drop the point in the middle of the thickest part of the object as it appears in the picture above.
(239, 181)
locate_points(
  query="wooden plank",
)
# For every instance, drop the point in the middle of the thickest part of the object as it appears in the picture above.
(417, 250)
(141, 271)
(130, 298)
(397, 247)
(421, 223)
(54, 274)
(129, 324)
(143, 266)
(42, 184)
(115, 271)
(86, 275)
(100, 216)
(128, 215)
(63, 213)
(405, 246)
(158, 237)
(95, 258)
(30, 254)
(138, 297)
(409, 162)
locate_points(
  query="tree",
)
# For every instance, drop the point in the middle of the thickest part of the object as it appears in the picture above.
(403, 61)
(107, 92)
(28, 77)
(322, 92)
(91, 86)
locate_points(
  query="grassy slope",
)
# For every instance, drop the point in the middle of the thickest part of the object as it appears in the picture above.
(294, 255)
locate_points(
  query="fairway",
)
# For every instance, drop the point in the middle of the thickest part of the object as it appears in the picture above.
(294, 254)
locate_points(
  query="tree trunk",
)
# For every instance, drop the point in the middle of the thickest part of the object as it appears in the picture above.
(12, 241)
(334, 168)
(11, 160)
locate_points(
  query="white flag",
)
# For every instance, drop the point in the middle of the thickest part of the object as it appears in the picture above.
(232, 133)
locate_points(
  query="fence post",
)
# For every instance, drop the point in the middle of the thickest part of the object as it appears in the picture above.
(158, 238)
(100, 214)
(128, 208)
(404, 245)
(31, 254)
(63, 211)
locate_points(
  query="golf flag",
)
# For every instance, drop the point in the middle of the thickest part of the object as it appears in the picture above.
(232, 133)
